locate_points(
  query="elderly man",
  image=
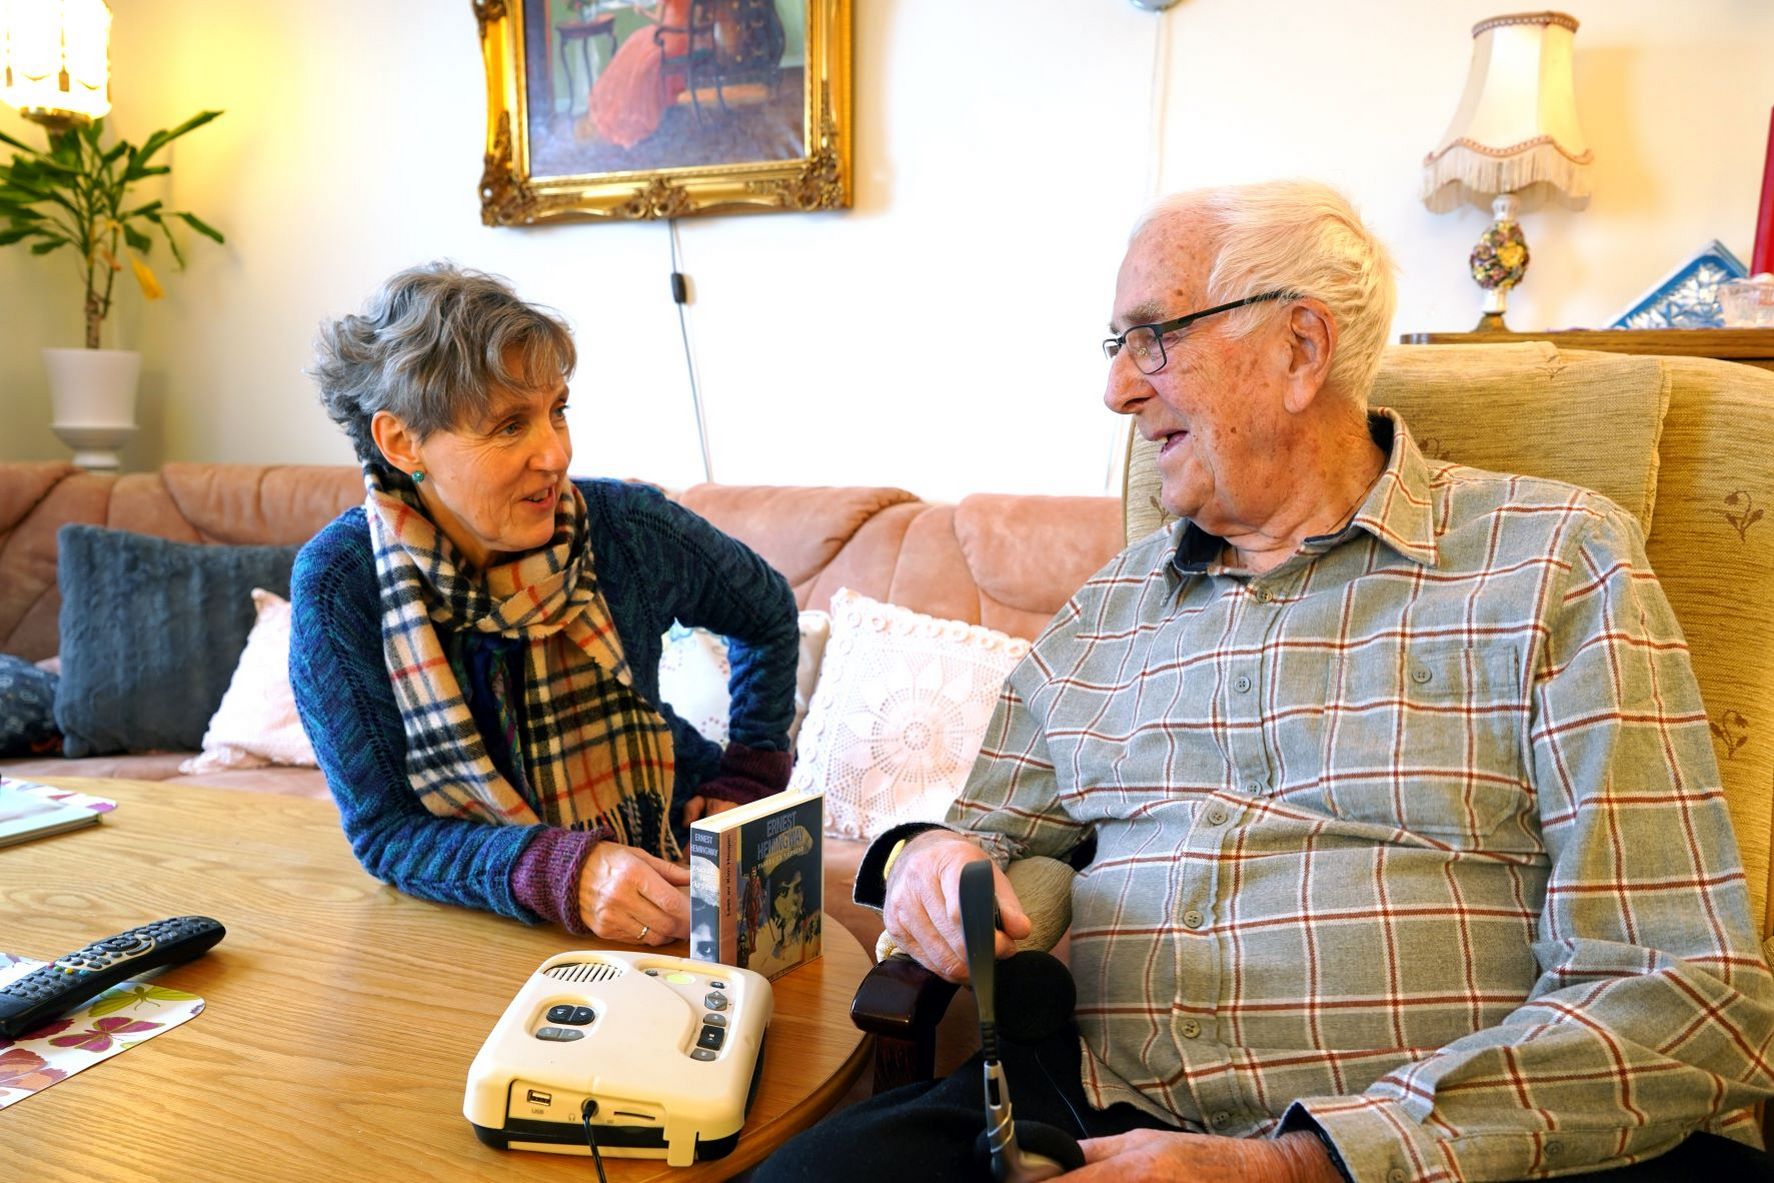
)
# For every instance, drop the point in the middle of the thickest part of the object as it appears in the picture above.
(1411, 857)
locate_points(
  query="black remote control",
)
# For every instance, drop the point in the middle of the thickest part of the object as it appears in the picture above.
(70, 980)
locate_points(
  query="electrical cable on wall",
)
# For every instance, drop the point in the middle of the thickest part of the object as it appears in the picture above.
(680, 295)
(1115, 474)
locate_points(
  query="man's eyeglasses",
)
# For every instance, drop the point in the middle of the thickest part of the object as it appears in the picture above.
(1146, 342)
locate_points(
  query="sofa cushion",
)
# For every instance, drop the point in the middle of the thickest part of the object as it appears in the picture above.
(151, 631)
(27, 708)
(898, 713)
(257, 724)
(694, 672)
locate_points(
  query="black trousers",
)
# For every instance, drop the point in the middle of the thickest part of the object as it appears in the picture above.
(927, 1132)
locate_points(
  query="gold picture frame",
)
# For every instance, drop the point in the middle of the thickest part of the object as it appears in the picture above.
(694, 115)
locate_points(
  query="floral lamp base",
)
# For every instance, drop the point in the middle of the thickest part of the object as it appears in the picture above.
(1498, 262)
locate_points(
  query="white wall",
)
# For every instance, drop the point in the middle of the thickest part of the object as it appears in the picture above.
(940, 336)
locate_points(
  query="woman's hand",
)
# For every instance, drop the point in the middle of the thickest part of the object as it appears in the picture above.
(697, 807)
(626, 894)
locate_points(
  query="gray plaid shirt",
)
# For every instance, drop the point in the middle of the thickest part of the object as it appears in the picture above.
(1419, 832)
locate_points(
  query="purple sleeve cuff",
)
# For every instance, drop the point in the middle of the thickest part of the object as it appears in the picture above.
(747, 774)
(545, 877)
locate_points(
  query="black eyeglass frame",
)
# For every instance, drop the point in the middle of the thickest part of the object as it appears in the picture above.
(1160, 329)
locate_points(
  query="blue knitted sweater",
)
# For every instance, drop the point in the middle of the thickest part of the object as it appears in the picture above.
(656, 563)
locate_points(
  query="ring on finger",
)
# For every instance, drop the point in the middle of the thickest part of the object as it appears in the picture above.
(645, 929)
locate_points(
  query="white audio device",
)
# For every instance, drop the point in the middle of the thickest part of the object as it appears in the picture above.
(659, 1055)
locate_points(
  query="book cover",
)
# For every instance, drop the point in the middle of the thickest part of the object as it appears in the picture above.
(29, 810)
(756, 876)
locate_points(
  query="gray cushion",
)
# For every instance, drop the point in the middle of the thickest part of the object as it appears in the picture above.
(151, 631)
(27, 707)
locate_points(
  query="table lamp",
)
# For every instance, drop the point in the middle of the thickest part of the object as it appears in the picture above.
(1514, 142)
(55, 60)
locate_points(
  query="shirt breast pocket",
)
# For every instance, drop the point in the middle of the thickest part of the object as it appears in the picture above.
(1426, 738)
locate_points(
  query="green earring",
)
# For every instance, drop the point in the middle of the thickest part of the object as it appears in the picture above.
(418, 477)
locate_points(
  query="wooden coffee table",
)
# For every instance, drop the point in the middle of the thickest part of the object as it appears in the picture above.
(341, 1015)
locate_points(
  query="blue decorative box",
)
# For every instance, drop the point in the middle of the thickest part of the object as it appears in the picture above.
(1686, 298)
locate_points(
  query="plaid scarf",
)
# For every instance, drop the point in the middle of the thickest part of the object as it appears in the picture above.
(593, 751)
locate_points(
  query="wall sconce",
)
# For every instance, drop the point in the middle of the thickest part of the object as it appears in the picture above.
(1514, 139)
(55, 60)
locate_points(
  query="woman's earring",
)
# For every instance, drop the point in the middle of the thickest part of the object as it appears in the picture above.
(418, 476)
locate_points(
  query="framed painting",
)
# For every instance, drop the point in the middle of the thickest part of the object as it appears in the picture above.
(615, 109)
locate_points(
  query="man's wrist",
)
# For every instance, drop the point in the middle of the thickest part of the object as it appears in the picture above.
(1311, 1157)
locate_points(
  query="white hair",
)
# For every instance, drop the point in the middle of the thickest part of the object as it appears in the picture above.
(1301, 237)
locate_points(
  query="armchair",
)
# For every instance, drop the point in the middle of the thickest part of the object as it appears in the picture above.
(1682, 443)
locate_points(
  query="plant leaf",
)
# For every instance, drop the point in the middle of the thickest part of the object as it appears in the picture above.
(172, 244)
(136, 239)
(135, 174)
(19, 144)
(141, 211)
(43, 248)
(198, 224)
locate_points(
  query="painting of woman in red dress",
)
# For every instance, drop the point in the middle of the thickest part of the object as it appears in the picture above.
(633, 92)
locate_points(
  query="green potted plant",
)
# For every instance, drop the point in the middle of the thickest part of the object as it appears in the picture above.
(76, 195)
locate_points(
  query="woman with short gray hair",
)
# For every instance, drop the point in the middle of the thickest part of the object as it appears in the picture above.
(475, 649)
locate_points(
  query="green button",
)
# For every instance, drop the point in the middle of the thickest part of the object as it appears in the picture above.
(679, 978)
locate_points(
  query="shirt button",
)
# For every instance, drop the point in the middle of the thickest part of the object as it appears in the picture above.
(1260, 594)
(1421, 676)
(1191, 1029)
(1255, 788)
(1395, 1176)
(1191, 919)
(1221, 1120)
(1216, 816)
(1554, 1149)
(1241, 684)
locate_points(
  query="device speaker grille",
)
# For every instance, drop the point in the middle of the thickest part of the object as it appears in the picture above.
(586, 971)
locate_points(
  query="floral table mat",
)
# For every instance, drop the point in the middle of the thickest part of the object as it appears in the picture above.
(115, 1021)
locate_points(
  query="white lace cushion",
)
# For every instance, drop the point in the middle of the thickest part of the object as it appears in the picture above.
(898, 713)
(693, 674)
(256, 723)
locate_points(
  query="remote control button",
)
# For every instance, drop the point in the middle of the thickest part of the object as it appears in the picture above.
(701, 1053)
(714, 1020)
(581, 1016)
(561, 1014)
(718, 985)
(559, 1034)
(715, 1001)
(680, 978)
(711, 1038)
(125, 944)
(652, 973)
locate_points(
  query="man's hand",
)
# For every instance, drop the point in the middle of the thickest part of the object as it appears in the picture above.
(626, 894)
(923, 903)
(1201, 1158)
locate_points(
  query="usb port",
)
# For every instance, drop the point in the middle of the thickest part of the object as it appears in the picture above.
(538, 1097)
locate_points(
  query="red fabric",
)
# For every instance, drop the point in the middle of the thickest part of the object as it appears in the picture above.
(1762, 258)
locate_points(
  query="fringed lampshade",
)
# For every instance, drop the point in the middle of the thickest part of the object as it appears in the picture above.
(1515, 140)
(55, 59)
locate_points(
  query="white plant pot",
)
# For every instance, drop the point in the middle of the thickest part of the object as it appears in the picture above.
(93, 393)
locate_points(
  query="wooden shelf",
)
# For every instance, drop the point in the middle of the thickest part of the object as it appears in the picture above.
(1750, 346)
